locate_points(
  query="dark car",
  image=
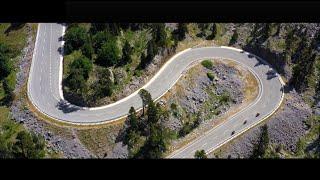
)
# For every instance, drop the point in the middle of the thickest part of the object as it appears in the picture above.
(232, 133)
(257, 114)
(245, 122)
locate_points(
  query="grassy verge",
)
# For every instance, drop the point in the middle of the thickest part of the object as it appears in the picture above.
(15, 39)
(100, 141)
(7, 124)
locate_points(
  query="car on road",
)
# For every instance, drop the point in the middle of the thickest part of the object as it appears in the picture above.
(245, 122)
(258, 114)
(232, 133)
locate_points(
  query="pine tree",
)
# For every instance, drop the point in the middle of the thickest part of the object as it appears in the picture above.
(113, 28)
(181, 31)
(200, 154)
(143, 61)
(126, 53)
(152, 113)
(28, 146)
(87, 48)
(234, 38)
(133, 119)
(146, 98)
(151, 50)
(108, 55)
(6, 65)
(213, 30)
(159, 34)
(261, 147)
(75, 38)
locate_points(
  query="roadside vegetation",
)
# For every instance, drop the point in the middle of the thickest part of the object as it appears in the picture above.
(293, 50)
(134, 50)
(200, 154)
(144, 134)
(309, 145)
(207, 63)
(12, 41)
(106, 58)
(260, 148)
(15, 141)
(101, 58)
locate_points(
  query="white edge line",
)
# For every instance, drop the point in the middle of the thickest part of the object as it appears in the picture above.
(249, 127)
(249, 106)
(32, 63)
(61, 64)
(109, 121)
(144, 86)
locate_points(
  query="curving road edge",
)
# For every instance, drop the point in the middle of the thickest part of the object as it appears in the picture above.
(188, 150)
(45, 89)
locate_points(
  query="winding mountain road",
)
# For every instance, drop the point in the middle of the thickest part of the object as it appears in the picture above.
(45, 89)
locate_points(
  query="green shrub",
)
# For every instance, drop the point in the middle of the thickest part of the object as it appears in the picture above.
(137, 73)
(234, 38)
(200, 154)
(173, 106)
(109, 53)
(75, 38)
(186, 129)
(210, 76)
(207, 64)
(224, 98)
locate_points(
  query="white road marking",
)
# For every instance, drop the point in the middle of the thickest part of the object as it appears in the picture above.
(84, 122)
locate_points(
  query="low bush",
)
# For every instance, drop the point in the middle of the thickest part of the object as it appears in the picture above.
(207, 64)
(210, 76)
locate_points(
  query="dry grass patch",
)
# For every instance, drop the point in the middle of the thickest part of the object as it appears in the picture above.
(99, 140)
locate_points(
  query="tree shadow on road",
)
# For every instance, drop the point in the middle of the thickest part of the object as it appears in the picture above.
(259, 63)
(250, 56)
(271, 74)
(60, 50)
(60, 38)
(66, 107)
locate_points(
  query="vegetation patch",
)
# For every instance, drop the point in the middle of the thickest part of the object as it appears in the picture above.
(12, 40)
(210, 76)
(15, 142)
(144, 134)
(309, 145)
(207, 63)
(100, 141)
(119, 54)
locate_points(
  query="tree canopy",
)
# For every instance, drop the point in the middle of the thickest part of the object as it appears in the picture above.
(109, 53)
(75, 38)
(126, 53)
(6, 65)
(200, 154)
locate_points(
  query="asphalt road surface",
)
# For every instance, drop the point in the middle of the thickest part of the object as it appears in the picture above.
(45, 90)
